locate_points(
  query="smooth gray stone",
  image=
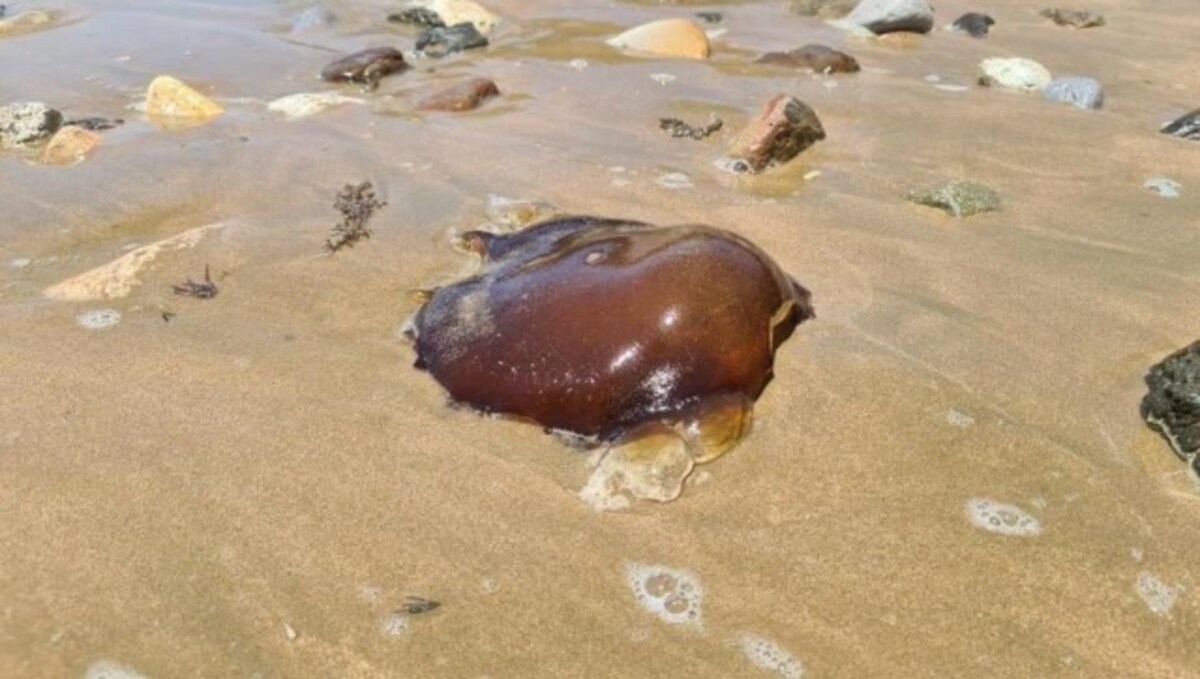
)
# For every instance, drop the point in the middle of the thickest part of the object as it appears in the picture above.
(1085, 93)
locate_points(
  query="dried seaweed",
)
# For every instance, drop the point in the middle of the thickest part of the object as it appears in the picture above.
(357, 204)
(678, 129)
(415, 605)
(205, 289)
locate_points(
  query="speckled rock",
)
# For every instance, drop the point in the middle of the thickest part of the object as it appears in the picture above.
(417, 16)
(1172, 405)
(441, 41)
(887, 16)
(1014, 73)
(783, 129)
(1073, 18)
(1186, 126)
(1085, 93)
(27, 123)
(973, 24)
(681, 38)
(958, 198)
(453, 12)
(465, 96)
(817, 58)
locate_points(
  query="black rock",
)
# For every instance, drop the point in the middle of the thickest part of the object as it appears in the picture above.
(438, 42)
(3, 10)
(710, 17)
(973, 24)
(95, 124)
(1186, 126)
(1173, 404)
(417, 16)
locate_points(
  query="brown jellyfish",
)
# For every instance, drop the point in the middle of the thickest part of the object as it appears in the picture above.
(652, 341)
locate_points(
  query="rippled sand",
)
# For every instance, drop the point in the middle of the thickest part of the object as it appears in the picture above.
(254, 487)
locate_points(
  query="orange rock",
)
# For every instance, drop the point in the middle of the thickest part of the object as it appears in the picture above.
(70, 145)
(465, 96)
(682, 38)
(783, 129)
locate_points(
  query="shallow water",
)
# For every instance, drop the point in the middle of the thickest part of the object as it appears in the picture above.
(255, 486)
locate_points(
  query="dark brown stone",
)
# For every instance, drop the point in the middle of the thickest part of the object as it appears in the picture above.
(818, 58)
(783, 129)
(465, 96)
(365, 67)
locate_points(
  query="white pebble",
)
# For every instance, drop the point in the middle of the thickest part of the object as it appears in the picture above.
(290, 632)
(99, 319)
(673, 596)
(1158, 595)
(1167, 188)
(1000, 518)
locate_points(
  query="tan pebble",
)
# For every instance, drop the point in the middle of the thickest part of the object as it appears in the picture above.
(70, 145)
(464, 96)
(170, 98)
(668, 38)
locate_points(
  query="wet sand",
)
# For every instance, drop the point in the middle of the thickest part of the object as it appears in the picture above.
(253, 487)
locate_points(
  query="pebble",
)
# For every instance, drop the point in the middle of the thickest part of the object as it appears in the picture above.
(1186, 126)
(365, 66)
(168, 97)
(958, 198)
(817, 58)
(465, 96)
(1014, 73)
(1167, 188)
(889, 16)
(313, 18)
(441, 41)
(682, 38)
(973, 24)
(70, 146)
(27, 123)
(783, 129)
(454, 12)
(824, 9)
(1170, 405)
(417, 16)
(305, 104)
(1084, 93)
(1073, 18)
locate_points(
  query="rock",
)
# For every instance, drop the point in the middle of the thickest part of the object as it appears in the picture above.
(168, 98)
(1084, 93)
(973, 24)
(888, 16)
(710, 17)
(465, 96)
(69, 146)
(417, 16)
(1073, 18)
(27, 123)
(1186, 126)
(681, 38)
(366, 66)
(438, 42)
(309, 103)
(783, 129)
(25, 21)
(1167, 188)
(1172, 405)
(95, 123)
(818, 58)
(453, 12)
(1014, 73)
(313, 18)
(824, 9)
(958, 198)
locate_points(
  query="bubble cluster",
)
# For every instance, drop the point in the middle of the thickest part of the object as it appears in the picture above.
(957, 419)
(393, 625)
(1000, 518)
(673, 596)
(106, 669)
(770, 656)
(99, 319)
(1158, 595)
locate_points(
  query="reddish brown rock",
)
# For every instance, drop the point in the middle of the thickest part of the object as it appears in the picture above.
(783, 129)
(818, 58)
(465, 96)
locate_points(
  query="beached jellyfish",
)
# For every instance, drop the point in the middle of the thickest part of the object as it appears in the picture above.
(620, 333)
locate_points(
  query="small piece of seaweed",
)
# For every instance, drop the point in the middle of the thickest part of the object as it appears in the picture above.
(415, 605)
(205, 289)
(357, 204)
(677, 128)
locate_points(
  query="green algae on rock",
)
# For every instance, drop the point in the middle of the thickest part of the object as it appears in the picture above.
(958, 198)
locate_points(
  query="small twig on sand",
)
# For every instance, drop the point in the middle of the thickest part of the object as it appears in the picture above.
(205, 289)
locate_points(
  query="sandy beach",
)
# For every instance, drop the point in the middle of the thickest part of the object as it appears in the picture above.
(251, 485)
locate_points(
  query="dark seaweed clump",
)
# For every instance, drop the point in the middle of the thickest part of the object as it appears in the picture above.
(678, 129)
(357, 204)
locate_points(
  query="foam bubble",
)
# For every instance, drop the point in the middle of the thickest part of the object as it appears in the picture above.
(673, 596)
(957, 419)
(770, 656)
(106, 669)
(1158, 595)
(99, 319)
(674, 181)
(1000, 518)
(393, 625)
